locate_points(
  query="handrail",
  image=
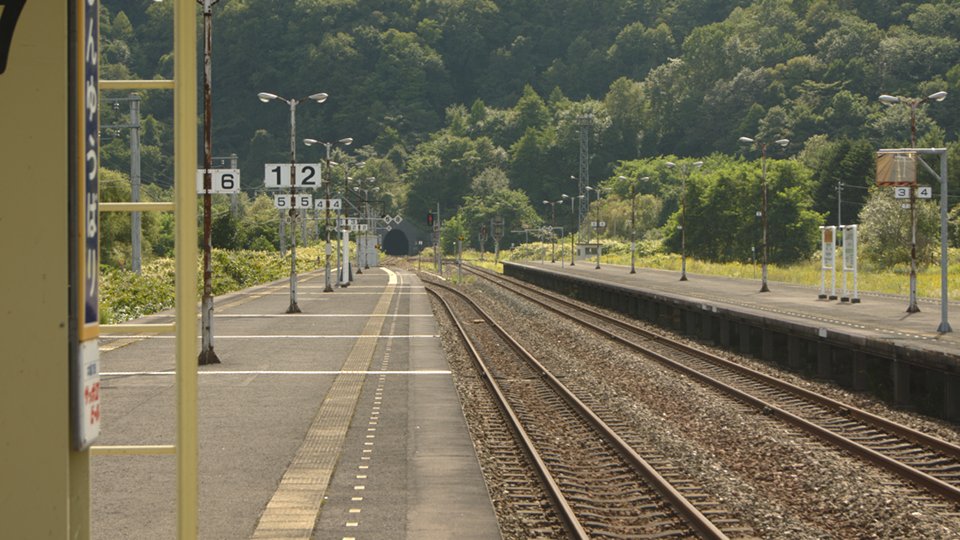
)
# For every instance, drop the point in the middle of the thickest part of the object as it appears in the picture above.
(138, 84)
(137, 207)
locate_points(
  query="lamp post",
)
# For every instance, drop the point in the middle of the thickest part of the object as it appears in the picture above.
(292, 103)
(573, 219)
(362, 246)
(597, 190)
(633, 222)
(346, 141)
(344, 253)
(763, 203)
(913, 307)
(684, 173)
(553, 224)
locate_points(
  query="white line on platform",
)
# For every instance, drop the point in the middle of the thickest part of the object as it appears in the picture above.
(271, 372)
(307, 315)
(285, 336)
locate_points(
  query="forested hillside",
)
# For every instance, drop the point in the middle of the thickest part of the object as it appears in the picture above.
(473, 104)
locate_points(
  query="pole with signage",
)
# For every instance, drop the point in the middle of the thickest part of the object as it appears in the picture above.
(850, 263)
(828, 261)
(85, 372)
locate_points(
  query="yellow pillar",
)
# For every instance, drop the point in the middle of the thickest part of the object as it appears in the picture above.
(44, 485)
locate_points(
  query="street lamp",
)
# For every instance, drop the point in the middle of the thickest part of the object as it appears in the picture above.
(633, 222)
(597, 190)
(343, 249)
(763, 206)
(913, 104)
(362, 247)
(684, 173)
(319, 98)
(553, 224)
(573, 219)
(346, 141)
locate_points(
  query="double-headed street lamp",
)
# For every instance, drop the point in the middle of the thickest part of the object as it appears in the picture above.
(346, 141)
(292, 103)
(598, 191)
(763, 205)
(553, 224)
(913, 104)
(684, 173)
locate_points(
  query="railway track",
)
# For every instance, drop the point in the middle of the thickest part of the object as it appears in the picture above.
(915, 456)
(598, 485)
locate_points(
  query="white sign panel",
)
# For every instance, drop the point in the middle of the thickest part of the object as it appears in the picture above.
(87, 395)
(923, 192)
(221, 181)
(850, 247)
(328, 204)
(284, 202)
(277, 175)
(828, 246)
(350, 223)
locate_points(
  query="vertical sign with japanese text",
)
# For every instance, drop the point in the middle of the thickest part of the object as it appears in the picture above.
(87, 140)
(85, 365)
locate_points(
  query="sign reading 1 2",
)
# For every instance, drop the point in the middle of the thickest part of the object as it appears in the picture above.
(9, 14)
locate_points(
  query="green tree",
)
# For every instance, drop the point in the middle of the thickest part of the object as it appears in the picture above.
(885, 231)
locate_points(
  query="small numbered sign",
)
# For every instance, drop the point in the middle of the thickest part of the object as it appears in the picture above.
(277, 175)
(221, 181)
(328, 204)
(285, 202)
(350, 223)
(923, 192)
(362, 227)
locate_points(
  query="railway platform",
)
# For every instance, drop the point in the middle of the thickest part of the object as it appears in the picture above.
(873, 345)
(339, 422)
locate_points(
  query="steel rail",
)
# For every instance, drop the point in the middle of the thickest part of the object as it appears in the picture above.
(564, 510)
(908, 472)
(684, 508)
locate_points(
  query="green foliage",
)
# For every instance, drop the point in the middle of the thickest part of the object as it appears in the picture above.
(435, 93)
(885, 233)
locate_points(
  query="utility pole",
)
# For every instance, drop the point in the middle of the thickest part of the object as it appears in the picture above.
(135, 220)
(207, 354)
(839, 199)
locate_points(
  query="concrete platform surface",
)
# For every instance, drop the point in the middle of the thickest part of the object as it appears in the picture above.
(339, 422)
(876, 316)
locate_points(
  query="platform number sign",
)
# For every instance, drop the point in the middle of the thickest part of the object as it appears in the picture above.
(903, 192)
(328, 204)
(221, 181)
(277, 175)
(286, 202)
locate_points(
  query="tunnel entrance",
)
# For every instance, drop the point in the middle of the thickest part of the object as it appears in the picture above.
(396, 243)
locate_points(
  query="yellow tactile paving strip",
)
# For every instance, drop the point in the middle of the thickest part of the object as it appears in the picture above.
(293, 509)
